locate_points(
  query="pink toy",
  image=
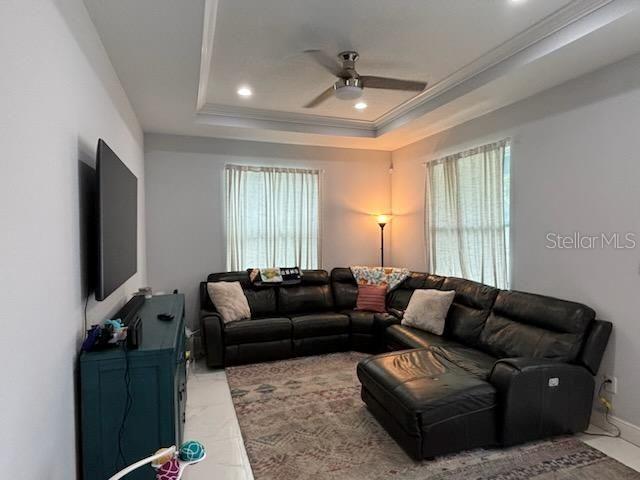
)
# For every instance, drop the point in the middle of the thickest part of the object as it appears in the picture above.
(169, 471)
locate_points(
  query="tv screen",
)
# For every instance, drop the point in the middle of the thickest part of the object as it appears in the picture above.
(117, 222)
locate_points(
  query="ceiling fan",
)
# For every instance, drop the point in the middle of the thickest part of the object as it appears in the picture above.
(350, 84)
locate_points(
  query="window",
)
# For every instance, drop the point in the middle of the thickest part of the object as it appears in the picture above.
(272, 217)
(467, 214)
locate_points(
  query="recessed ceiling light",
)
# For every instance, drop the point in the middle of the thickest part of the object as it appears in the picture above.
(245, 92)
(360, 106)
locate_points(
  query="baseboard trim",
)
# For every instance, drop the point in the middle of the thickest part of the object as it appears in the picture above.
(628, 431)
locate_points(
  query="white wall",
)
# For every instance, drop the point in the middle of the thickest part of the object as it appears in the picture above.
(575, 168)
(58, 94)
(185, 204)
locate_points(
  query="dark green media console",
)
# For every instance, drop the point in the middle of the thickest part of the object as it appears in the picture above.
(157, 388)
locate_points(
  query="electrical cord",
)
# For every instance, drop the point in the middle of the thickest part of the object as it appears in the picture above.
(607, 410)
(127, 407)
(86, 303)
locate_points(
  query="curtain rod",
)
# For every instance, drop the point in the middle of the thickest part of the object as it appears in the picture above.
(263, 168)
(471, 151)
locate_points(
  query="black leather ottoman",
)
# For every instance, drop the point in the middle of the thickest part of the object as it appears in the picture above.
(428, 405)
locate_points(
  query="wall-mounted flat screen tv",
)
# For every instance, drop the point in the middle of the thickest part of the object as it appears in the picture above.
(117, 214)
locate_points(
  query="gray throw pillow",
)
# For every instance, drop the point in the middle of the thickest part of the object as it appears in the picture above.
(427, 310)
(229, 300)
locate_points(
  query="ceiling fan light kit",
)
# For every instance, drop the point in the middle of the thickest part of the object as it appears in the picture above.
(348, 89)
(350, 84)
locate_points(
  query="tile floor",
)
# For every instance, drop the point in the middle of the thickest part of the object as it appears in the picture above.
(211, 420)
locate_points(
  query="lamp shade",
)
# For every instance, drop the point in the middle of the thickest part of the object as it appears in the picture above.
(383, 219)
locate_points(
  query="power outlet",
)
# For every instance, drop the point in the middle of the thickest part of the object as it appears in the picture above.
(612, 385)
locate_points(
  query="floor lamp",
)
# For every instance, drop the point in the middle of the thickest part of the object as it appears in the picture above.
(382, 221)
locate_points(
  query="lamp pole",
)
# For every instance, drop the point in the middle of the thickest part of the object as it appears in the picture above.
(381, 243)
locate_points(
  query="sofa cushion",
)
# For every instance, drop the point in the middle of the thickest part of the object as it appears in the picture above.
(319, 324)
(312, 295)
(400, 337)
(262, 301)
(422, 389)
(469, 310)
(254, 331)
(241, 276)
(229, 300)
(371, 298)
(529, 325)
(427, 310)
(361, 322)
(400, 296)
(345, 289)
(257, 352)
(469, 359)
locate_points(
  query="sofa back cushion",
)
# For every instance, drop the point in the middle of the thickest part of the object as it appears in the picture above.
(311, 296)
(262, 301)
(205, 299)
(345, 289)
(469, 311)
(399, 297)
(529, 325)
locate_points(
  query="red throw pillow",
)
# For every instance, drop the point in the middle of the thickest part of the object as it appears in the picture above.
(371, 298)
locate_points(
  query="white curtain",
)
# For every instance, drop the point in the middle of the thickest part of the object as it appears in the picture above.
(467, 214)
(272, 217)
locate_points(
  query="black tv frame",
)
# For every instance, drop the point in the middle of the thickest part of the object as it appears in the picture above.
(106, 283)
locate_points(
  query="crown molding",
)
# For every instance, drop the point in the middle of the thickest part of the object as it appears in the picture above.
(292, 117)
(504, 57)
(232, 116)
(208, 35)
(549, 25)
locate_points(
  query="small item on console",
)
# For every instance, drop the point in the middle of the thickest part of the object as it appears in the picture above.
(254, 275)
(134, 333)
(270, 275)
(167, 317)
(291, 274)
(104, 336)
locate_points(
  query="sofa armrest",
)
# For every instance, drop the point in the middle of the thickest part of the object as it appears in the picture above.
(539, 398)
(382, 321)
(396, 313)
(595, 345)
(211, 326)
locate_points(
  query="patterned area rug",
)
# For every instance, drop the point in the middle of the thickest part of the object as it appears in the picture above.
(303, 419)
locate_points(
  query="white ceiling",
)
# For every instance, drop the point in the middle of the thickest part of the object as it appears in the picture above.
(261, 43)
(182, 62)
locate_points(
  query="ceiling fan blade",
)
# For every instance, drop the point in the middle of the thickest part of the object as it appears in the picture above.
(327, 94)
(328, 62)
(370, 81)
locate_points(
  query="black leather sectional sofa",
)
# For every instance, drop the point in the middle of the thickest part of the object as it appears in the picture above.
(314, 317)
(511, 366)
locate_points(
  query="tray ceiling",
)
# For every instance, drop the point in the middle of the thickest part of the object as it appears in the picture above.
(181, 63)
(261, 44)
